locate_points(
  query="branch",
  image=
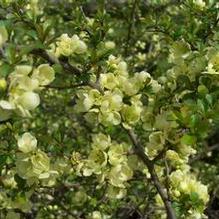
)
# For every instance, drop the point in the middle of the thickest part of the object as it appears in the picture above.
(204, 153)
(64, 87)
(62, 61)
(131, 23)
(137, 147)
(150, 165)
(210, 30)
(160, 155)
(2, 54)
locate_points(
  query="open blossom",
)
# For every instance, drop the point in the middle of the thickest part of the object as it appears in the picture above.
(116, 84)
(119, 174)
(44, 74)
(6, 109)
(66, 45)
(200, 4)
(185, 183)
(27, 143)
(33, 164)
(25, 83)
(29, 100)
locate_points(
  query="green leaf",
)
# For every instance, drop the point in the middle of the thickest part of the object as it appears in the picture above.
(194, 120)
(202, 106)
(3, 159)
(28, 48)
(21, 183)
(194, 197)
(5, 69)
(188, 139)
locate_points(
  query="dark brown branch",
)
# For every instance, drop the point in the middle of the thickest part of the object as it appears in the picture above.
(210, 30)
(63, 62)
(150, 165)
(167, 183)
(64, 87)
(2, 55)
(95, 86)
(160, 155)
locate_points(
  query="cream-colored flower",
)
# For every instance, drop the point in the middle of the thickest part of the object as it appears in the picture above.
(40, 164)
(27, 143)
(44, 74)
(29, 100)
(68, 45)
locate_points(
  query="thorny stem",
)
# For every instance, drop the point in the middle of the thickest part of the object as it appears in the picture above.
(150, 165)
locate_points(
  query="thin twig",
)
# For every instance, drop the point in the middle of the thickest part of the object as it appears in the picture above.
(167, 169)
(63, 62)
(130, 27)
(204, 153)
(64, 87)
(160, 155)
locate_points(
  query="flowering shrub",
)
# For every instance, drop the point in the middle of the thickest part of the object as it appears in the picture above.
(109, 109)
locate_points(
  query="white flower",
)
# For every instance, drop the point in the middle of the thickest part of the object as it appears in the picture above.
(6, 105)
(27, 143)
(68, 45)
(110, 45)
(200, 4)
(29, 100)
(44, 74)
(5, 110)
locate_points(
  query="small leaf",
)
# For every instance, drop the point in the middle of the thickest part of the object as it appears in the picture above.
(188, 139)
(3, 159)
(21, 183)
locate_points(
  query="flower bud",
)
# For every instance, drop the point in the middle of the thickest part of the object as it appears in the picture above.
(110, 45)
(3, 84)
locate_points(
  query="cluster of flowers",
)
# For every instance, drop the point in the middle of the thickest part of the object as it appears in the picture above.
(185, 183)
(110, 162)
(67, 46)
(119, 100)
(32, 163)
(187, 193)
(25, 81)
(191, 63)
